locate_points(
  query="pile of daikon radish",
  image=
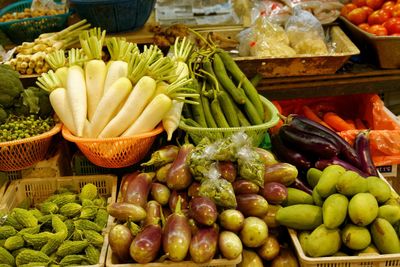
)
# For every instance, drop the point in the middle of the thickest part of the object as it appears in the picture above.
(129, 95)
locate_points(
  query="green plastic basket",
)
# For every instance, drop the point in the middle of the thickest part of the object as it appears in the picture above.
(256, 132)
(27, 30)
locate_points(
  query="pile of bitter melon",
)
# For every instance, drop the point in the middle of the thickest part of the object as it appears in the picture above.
(63, 230)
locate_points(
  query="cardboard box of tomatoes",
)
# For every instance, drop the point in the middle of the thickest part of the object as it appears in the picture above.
(374, 26)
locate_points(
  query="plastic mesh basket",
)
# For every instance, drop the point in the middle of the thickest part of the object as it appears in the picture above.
(117, 152)
(20, 154)
(30, 28)
(256, 132)
(115, 15)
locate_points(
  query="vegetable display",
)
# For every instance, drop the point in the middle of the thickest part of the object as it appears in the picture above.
(130, 95)
(210, 217)
(65, 229)
(28, 13)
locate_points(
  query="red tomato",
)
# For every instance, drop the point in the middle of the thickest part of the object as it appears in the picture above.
(347, 8)
(396, 10)
(359, 3)
(364, 26)
(388, 6)
(368, 9)
(357, 16)
(392, 25)
(378, 17)
(378, 30)
(374, 4)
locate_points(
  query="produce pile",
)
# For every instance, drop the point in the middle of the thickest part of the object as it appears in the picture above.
(306, 143)
(130, 95)
(228, 98)
(378, 17)
(31, 57)
(346, 215)
(23, 112)
(65, 229)
(202, 202)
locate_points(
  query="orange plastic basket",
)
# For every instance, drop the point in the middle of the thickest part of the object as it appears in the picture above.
(116, 152)
(21, 154)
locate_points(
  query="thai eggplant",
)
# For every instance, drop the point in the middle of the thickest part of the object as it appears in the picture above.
(322, 164)
(193, 190)
(124, 211)
(146, 245)
(274, 193)
(308, 142)
(176, 235)
(161, 173)
(203, 210)
(282, 172)
(231, 220)
(120, 238)
(203, 244)
(346, 151)
(153, 213)
(362, 146)
(162, 156)
(126, 179)
(179, 176)
(228, 170)
(252, 205)
(245, 187)
(139, 189)
(173, 199)
(289, 155)
(194, 228)
(160, 193)
(230, 245)
(266, 156)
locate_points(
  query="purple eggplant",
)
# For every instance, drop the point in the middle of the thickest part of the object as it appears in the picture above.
(160, 193)
(161, 173)
(126, 211)
(245, 187)
(266, 156)
(179, 176)
(203, 245)
(308, 142)
(274, 193)
(153, 212)
(146, 245)
(322, 164)
(194, 228)
(193, 190)
(120, 238)
(203, 210)
(173, 199)
(289, 155)
(228, 170)
(139, 189)
(176, 235)
(346, 150)
(252, 205)
(362, 146)
(298, 184)
(162, 156)
(126, 179)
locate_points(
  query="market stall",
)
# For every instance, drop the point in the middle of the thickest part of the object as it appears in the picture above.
(250, 142)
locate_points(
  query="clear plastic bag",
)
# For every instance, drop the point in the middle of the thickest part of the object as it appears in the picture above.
(305, 33)
(250, 166)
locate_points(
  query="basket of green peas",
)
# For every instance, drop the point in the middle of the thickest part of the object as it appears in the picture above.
(24, 141)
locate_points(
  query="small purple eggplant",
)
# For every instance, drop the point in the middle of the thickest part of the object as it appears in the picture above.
(173, 199)
(362, 146)
(252, 205)
(176, 235)
(193, 190)
(146, 245)
(203, 210)
(203, 245)
(120, 238)
(274, 193)
(139, 189)
(162, 156)
(124, 211)
(241, 187)
(160, 193)
(153, 212)
(126, 179)
(179, 176)
(228, 170)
